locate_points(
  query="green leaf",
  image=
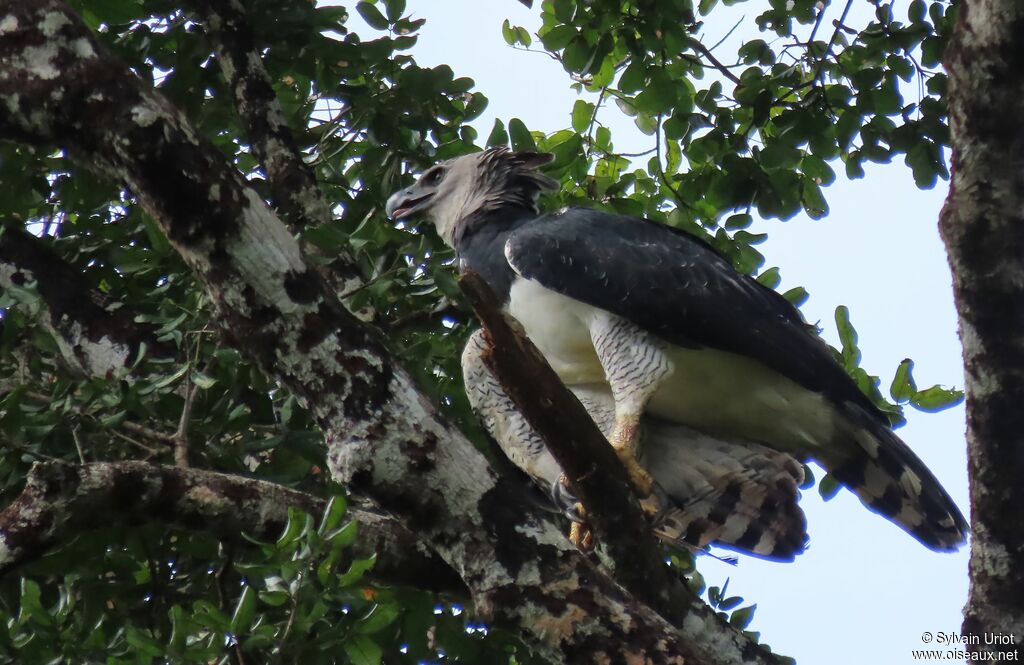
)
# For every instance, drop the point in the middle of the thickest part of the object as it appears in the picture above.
(778, 155)
(241, 620)
(344, 536)
(521, 137)
(916, 12)
(558, 38)
(903, 386)
(828, 487)
(362, 650)
(297, 523)
(770, 278)
(797, 296)
(659, 95)
(356, 570)
(936, 398)
(31, 605)
(812, 198)
(848, 337)
(372, 16)
(498, 135)
(274, 598)
(817, 169)
(736, 222)
(706, 6)
(507, 33)
(742, 617)
(379, 618)
(582, 112)
(204, 381)
(395, 9)
(633, 77)
(172, 378)
(333, 514)
(157, 240)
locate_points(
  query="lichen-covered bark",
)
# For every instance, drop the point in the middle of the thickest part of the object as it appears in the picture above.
(62, 500)
(295, 191)
(294, 188)
(982, 225)
(94, 339)
(60, 88)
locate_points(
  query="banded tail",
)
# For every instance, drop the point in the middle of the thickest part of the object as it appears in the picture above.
(891, 480)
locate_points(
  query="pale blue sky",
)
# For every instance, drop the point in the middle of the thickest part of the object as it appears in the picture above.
(865, 591)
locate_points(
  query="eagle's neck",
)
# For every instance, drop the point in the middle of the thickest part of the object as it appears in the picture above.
(480, 244)
(490, 220)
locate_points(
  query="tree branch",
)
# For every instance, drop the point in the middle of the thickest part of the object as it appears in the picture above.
(596, 476)
(293, 184)
(94, 339)
(982, 225)
(61, 500)
(719, 65)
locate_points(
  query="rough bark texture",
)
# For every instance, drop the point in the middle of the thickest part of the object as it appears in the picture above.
(60, 88)
(293, 186)
(982, 225)
(93, 340)
(62, 500)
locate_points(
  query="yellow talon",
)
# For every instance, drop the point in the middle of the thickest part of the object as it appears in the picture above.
(580, 534)
(625, 439)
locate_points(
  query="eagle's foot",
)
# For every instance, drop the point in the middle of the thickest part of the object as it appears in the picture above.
(625, 440)
(580, 533)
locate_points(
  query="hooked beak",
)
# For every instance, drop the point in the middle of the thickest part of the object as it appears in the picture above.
(403, 203)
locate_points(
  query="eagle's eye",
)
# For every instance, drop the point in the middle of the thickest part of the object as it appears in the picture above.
(433, 176)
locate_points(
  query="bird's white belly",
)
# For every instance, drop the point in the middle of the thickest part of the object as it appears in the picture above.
(727, 394)
(560, 328)
(714, 391)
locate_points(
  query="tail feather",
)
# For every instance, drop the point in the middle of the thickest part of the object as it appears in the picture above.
(891, 480)
(738, 496)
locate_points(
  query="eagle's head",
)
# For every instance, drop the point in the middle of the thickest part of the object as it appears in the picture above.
(456, 193)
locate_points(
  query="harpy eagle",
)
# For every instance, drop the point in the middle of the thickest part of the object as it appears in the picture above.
(653, 326)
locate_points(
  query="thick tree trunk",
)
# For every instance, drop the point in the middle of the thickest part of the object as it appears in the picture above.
(982, 225)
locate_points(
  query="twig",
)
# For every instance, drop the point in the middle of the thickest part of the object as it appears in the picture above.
(153, 452)
(661, 171)
(726, 35)
(181, 435)
(78, 444)
(151, 434)
(706, 52)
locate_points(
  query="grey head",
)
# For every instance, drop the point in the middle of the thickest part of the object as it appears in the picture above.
(461, 191)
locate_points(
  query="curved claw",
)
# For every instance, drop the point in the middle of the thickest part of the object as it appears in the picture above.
(566, 501)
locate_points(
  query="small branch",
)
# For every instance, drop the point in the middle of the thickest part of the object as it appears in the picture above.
(149, 433)
(61, 500)
(594, 471)
(719, 65)
(292, 181)
(181, 435)
(94, 339)
(78, 444)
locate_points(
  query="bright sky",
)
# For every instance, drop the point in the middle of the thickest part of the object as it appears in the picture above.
(865, 591)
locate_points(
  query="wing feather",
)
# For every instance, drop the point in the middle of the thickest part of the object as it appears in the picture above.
(676, 286)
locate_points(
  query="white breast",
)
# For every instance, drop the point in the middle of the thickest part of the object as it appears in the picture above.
(560, 327)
